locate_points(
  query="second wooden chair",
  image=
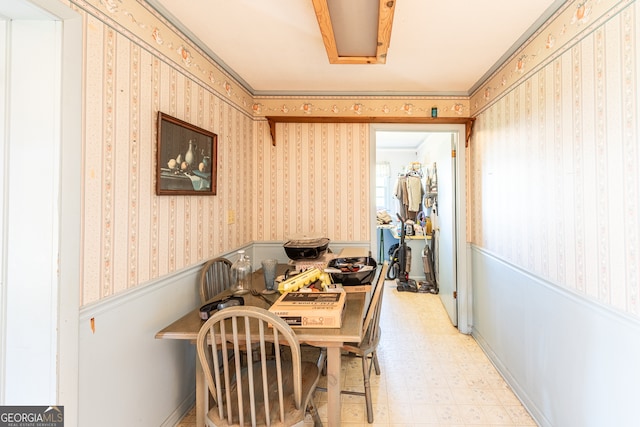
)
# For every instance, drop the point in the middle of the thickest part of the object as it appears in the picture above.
(215, 277)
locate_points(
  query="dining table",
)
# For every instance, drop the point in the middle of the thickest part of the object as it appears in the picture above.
(188, 326)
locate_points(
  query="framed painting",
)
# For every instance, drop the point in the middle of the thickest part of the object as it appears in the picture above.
(186, 158)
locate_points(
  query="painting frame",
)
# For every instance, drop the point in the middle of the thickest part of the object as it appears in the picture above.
(186, 158)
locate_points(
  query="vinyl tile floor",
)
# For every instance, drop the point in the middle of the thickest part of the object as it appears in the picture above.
(431, 375)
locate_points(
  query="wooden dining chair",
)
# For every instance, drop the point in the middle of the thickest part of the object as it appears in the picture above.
(366, 349)
(215, 277)
(244, 390)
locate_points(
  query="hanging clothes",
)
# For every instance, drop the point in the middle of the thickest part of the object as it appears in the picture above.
(414, 193)
(401, 195)
(409, 192)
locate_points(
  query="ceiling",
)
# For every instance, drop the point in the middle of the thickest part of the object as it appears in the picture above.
(21, 9)
(274, 47)
(400, 140)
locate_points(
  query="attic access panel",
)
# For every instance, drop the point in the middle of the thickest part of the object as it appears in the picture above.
(357, 31)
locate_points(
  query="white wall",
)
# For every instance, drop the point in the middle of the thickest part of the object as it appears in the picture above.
(572, 361)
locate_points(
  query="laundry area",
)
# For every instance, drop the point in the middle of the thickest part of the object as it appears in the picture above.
(408, 207)
(408, 240)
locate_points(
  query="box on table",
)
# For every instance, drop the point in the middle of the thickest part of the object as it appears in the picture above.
(310, 309)
(337, 287)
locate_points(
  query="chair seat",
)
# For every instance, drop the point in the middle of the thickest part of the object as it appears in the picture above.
(365, 347)
(293, 415)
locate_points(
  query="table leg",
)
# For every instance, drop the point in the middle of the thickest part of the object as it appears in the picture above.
(334, 387)
(201, 394)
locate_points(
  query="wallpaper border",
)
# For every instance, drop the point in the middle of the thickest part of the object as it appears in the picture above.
(567, 27)
(140, 22)
(366, 106)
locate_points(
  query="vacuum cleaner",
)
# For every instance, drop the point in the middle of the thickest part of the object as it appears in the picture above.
(400, 264)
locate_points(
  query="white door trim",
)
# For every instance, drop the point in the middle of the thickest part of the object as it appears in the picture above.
(463, 285)
(67, 137)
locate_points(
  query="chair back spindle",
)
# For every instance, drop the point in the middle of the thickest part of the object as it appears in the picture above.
(372, 318)
(264, 387)
(215, 277)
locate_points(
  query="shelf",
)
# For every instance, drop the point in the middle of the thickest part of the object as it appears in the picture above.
(467, 121)
(394, 233)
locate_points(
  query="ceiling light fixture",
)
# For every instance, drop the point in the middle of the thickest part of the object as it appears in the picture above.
(355, 31)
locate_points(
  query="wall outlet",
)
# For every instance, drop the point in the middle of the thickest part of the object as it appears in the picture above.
(231, 216)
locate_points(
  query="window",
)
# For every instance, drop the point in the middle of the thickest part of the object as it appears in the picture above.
(383, 192)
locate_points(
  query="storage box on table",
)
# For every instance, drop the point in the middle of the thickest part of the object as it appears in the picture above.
(310, 309)
(338, 287)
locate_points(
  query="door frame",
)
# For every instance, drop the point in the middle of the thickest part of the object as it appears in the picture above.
(66, 112)
(462, 268)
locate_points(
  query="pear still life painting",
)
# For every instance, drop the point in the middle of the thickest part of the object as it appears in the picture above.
(186, 160)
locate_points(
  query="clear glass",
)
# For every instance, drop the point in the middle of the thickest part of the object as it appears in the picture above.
(269, 270)
(241, 275)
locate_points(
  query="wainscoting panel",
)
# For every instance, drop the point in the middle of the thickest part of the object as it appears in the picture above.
(571, 360)
(127, 377)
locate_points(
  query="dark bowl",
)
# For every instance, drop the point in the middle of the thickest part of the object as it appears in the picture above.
(355, 277)
(306, 249)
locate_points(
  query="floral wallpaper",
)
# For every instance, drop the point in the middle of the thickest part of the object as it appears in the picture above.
(136, 64)
(566, 28)
(315, 180)
(552, 168)
(130, 235)
(554, 161)
(137, 20)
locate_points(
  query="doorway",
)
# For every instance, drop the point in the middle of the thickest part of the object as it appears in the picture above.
(393, 148)
(40, 262)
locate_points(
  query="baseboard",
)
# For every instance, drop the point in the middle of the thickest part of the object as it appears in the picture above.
(519, 392)
(181, 411)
